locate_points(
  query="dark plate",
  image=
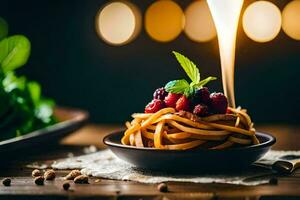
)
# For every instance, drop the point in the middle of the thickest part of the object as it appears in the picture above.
(189, 160)
(69, 121)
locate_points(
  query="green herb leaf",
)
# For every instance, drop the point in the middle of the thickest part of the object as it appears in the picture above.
(205, 81)
(189, 91)
(15, 51)
(177, 86)
(189, 67)
(3, 28)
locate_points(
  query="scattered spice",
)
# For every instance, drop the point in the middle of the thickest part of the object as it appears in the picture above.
(162, 187)
(49, 174)
(73, 174)
(39, 180)
(36, 172)
(66, 185)
(273, 181)
(82, 179)
(6, 181)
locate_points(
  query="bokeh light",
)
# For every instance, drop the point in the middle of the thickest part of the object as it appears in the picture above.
(199, 24)
(164, 20)
(262, 21)
(118, 23)
(291, 19)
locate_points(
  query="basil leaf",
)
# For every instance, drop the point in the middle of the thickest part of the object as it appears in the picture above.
(3, 28)
(189, 67)
(177, 86)
(15, 51)
(205, 81)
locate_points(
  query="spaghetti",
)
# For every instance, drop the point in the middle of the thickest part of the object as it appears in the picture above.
(168, 129)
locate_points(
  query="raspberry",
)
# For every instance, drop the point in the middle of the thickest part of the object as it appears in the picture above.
(228, 111)
(218, 103)
(154, 106)
(183, 104)
(171, 99)
(160, 93)
(201, 110)
(201, 96)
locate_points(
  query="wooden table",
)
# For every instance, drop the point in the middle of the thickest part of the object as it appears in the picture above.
(23, 187)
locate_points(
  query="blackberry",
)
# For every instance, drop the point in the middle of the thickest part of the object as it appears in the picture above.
(201, 110)
(218, 103)
(202, 95)
(160, 93)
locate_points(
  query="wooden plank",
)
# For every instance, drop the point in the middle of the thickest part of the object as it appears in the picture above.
(23, 185)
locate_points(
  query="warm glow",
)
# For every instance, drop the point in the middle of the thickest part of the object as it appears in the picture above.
(199, 25)
(164, 20)
(118, 23)
(262, 21)
(291, 19)
(226, 16)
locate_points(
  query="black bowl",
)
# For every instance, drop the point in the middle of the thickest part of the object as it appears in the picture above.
(200, 160)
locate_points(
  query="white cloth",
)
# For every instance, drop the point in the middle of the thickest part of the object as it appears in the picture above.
(105, 164)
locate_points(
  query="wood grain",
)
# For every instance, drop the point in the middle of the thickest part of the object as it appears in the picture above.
(23, 186)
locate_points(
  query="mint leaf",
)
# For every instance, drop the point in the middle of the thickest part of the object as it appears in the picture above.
(189, 67)
(189, 91)
(177, 86)
(204, 82)
(15, 51)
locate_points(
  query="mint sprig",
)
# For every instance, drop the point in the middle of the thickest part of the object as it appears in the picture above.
(182, 86)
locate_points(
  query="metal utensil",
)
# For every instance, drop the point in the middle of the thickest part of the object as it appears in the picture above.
(286, 165)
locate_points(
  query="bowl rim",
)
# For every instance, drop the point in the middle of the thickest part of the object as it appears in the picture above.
(271, 140)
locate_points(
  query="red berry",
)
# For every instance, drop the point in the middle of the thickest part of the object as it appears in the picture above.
(160, 93)
(171, 99)
(218, 103)
(202, 95)
(154, 106)
(228, 111)
(183, 104)
(201, 110)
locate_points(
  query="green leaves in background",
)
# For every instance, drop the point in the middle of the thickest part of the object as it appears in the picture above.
(3, 28)
(22, 107)
(182, 86)
(14, 52)
(34, 89)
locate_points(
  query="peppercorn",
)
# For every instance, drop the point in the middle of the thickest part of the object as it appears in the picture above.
(66, 185)
(39, 180)
(6, 181)
(273, 181)
(162, 187)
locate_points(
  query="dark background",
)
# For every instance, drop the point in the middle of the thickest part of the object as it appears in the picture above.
(79, 70)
